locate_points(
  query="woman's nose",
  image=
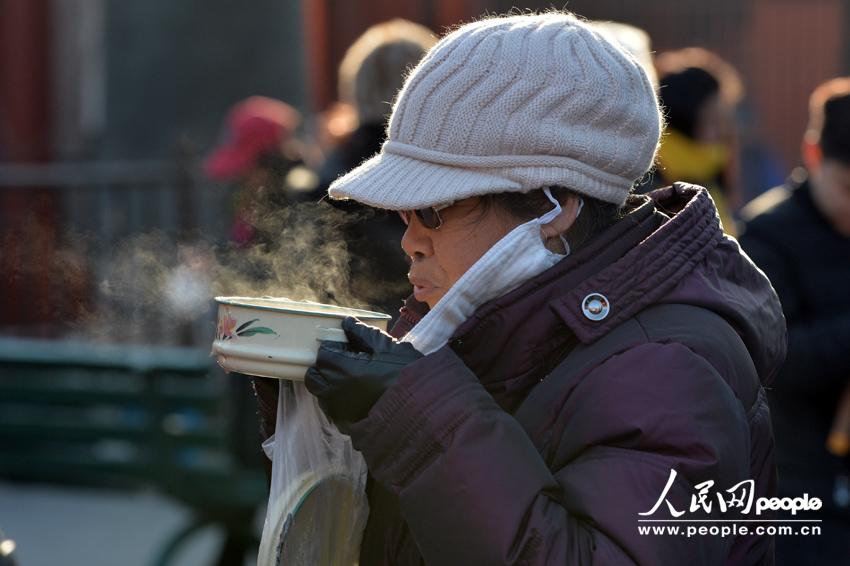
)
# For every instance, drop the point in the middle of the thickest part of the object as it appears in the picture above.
(416, 241)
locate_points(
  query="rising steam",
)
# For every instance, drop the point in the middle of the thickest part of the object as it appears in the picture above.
(150, 288)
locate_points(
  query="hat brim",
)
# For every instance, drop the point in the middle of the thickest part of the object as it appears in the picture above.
(397, 182)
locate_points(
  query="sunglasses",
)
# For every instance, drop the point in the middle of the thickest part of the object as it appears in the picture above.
(429, 217)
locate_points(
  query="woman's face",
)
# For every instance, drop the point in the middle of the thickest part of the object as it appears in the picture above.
(440, 257)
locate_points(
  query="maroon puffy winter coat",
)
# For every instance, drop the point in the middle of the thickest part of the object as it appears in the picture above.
(538, 435)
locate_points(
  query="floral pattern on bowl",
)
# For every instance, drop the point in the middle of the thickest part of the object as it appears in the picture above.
(228, 329)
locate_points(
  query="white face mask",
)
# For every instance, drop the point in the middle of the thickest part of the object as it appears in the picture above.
(517, 257)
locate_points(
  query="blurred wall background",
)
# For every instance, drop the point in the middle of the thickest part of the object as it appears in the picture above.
(101, 79)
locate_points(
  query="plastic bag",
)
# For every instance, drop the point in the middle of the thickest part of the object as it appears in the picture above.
(317, 503)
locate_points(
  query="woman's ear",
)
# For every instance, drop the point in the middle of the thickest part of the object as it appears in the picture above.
(562, 222)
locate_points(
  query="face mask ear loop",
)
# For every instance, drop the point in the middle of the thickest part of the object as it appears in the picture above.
(549, 216)
(564, 241)
(556, 211)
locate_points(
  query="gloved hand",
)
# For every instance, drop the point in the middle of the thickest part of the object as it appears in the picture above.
(349, 378)
(267, 391)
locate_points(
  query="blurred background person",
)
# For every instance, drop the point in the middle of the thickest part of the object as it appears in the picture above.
(799, 234)
(262, 159)
(370, 76)
(634, 40)
(700, 93)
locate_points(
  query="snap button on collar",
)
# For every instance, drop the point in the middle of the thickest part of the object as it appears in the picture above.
(595, 306)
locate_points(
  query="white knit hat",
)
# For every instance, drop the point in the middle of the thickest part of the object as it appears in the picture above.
(514, 104)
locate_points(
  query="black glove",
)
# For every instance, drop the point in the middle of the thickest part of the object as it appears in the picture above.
(267, 390)
(349, 378)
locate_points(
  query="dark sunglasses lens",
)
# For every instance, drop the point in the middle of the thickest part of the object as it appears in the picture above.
(429, 217)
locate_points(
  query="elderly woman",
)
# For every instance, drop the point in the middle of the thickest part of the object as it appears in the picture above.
(575, 359)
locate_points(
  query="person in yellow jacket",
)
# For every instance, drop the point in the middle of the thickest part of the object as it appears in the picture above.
(699, 93)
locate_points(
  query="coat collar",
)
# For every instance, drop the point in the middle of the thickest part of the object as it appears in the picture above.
(650, 270)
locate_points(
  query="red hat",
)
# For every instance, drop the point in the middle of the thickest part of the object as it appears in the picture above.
(254, 126)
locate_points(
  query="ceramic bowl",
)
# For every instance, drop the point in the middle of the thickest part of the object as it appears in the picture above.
(275, 337)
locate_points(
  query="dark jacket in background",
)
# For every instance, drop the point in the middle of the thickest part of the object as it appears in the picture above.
(537, 435)
(378, 267)
(363, 143)
(808, 263)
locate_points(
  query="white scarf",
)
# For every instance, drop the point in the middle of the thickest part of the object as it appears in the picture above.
(517, 257)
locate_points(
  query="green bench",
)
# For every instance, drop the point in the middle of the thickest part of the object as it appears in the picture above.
(130, 416)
